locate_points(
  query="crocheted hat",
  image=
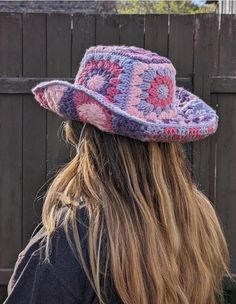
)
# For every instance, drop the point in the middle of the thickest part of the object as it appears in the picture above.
(132, 92)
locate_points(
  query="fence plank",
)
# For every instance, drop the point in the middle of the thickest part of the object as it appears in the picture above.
(226, 137)
(10, 48)
(181, 43)
(83, 37)
(227, 60)
(11, 141)
(132, 30)
(180, 52)
(58, 65)
(223, 84)
(34, 122)
(226, 170)
(23, 85)
(205, 47)
(156, 34)
(59, 45)
(107, 29)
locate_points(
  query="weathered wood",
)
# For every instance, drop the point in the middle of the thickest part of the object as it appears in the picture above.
(11, 179)
(10, 47)
(3, 293)
(205, 47)
(226, 170)
(156, 34)
(59, 45)
(83, 37)
(58, 65)
(226, 138)
(227, 60)
(223, 84)
(132, 30)
(23, 85)
(11, 145)
(212, 142)
(181, 43)
(5, 275)
(34, 123)
(107, 30)
(181, 53)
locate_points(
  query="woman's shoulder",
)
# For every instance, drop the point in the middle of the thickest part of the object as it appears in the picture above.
(63, 263)
(60, 241)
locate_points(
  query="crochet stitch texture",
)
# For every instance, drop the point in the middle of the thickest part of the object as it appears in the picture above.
(132, 92)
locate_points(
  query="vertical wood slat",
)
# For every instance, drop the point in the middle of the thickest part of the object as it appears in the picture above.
(226, 170)
(58, 65)
(132, 30)
(83, 36)
(11, 146)
(156, 34)
(180, 52)
(107, 29)
(227, 60)
(34, 122)
(11, 50)
(226, 138)
(205, 47)
(181, 43)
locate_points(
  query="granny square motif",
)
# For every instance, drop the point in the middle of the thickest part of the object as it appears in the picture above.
(132, 92)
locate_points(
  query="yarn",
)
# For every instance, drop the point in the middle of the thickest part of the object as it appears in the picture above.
(132, 92)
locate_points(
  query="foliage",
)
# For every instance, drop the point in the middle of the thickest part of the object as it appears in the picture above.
(162, 7)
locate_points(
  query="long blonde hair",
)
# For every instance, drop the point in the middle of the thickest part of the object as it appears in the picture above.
(163, 241)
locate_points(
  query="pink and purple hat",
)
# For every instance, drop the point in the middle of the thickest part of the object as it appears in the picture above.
(132, 92)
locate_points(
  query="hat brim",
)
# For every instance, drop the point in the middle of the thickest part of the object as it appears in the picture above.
(194, 119)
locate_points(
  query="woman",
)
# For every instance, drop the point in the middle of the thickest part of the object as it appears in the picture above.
(124, 222)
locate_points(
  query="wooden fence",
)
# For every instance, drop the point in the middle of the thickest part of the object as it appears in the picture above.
(35, 47)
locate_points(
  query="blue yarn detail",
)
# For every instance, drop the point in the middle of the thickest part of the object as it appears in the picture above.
(131, 53)
(100, 71)
(124, 76)
(122, 60)
(104, 89)
(122, 88)
(67, 107)
(144, 95)
(123, 126)
(162, 91)
(165, 72)
(196, 120)
(145, 85)
(96, 57)
(145, 107)
(124, 85)
(121, 100)
(158, 110)
(126, 64)
(127, 127)
(149, 74)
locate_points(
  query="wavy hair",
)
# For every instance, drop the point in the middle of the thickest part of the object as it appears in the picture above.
(162, 239)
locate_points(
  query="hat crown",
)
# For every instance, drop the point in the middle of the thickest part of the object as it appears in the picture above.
(131, 92)
(136, 80)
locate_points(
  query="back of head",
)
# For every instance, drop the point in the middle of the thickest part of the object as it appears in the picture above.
(161, 236)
